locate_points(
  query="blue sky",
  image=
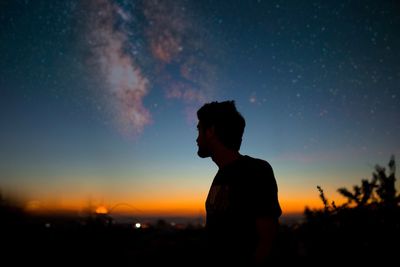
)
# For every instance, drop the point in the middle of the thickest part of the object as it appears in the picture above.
(98, 99)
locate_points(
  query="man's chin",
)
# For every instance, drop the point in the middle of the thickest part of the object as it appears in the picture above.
(202, 154)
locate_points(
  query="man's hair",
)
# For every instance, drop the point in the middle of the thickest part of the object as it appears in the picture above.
(228, 123)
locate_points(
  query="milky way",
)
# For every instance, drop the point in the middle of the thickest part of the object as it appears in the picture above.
(171, 57)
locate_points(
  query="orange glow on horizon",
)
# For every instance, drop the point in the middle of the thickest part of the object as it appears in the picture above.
(101, 210)
(155, 207)
(172, 201)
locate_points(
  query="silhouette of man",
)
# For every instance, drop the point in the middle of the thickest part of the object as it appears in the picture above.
(242, 204)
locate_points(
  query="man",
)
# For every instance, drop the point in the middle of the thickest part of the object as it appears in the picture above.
(242, 205)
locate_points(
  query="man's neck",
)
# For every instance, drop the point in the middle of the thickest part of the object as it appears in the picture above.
(224, 156)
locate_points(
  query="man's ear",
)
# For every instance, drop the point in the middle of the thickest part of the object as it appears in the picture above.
(210, 132)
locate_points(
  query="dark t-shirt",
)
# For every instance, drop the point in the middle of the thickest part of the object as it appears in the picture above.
(240, 193)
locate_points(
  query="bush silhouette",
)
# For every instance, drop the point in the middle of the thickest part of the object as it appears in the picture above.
(365, 229)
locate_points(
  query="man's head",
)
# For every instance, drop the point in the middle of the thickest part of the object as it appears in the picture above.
(219, 122)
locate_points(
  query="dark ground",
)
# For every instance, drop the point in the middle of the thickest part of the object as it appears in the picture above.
(97, 240)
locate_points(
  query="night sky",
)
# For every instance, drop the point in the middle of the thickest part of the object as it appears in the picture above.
(98, 99)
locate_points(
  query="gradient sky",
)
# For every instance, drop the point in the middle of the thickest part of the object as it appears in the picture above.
(98, 98)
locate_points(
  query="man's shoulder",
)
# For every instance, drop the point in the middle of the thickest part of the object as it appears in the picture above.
(256, 162)
(259, 171)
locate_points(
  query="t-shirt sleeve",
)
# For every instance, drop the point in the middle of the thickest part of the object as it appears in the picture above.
(264, 191)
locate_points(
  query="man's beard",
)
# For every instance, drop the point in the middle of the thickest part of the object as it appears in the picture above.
(203, 152)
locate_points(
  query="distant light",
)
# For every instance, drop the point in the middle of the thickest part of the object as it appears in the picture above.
(101, 210)
(138, 225)
(47, 225)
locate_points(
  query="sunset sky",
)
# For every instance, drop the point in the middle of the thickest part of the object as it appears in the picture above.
(98, 98)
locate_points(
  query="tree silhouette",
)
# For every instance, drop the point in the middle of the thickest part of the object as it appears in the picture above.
(361, 195)
(327, 207)
(365, 228)
(386, 189)
(380, 190)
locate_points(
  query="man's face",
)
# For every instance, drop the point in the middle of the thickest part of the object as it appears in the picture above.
(203, 142)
